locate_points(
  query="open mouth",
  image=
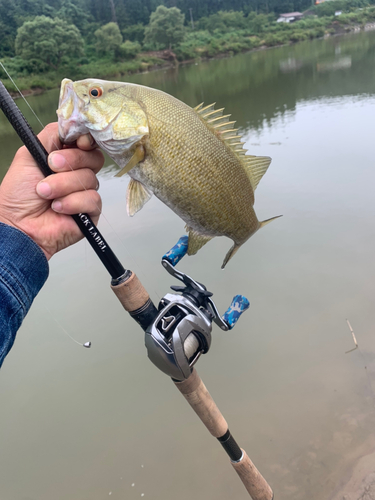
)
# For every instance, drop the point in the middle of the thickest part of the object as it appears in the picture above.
(69, 117)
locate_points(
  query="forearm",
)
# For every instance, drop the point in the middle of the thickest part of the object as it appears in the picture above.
(23, 272)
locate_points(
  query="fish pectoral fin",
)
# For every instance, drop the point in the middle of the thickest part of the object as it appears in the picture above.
(229, 255)
(137, 196)
(256, 167)
(196, 241)
(138, 156)
(267, 221)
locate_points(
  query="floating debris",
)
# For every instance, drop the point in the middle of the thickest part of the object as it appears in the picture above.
(354, 339)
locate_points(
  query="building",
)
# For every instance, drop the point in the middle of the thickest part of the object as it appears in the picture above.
(290, 17)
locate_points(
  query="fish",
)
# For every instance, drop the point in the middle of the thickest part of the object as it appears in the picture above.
(192, 159)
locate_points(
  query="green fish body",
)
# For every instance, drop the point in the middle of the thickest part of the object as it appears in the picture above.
(191, 159)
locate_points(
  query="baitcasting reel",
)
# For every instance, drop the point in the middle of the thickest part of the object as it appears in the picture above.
(181, 331)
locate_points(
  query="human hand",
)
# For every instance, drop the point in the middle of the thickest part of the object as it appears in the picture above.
(41, 206)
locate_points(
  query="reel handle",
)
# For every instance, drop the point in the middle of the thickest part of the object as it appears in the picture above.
(177, 252)
(239, 303)
(238, 306)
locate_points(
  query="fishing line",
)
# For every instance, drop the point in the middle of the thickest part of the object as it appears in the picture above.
(86, 344)
(142, 273)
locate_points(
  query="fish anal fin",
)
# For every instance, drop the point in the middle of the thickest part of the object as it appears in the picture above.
(267, 221)
(138, 156)
(230, 254)
(137, 196)
(196, 241)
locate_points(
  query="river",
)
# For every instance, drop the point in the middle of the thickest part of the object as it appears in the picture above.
(91, 424)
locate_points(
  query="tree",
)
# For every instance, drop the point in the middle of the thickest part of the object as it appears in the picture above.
(50, 41)
(73, 13)
(166, 27)
(108, 38)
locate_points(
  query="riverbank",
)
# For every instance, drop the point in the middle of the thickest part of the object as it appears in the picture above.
(197, 46)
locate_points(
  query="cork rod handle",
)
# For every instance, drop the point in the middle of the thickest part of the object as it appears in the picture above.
(131, 293)
(198, 397)
(254, 482)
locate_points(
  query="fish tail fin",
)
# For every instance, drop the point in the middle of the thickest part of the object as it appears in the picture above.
(267, 221)
(230, 254)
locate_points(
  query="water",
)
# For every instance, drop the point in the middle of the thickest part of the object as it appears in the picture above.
(87, 424)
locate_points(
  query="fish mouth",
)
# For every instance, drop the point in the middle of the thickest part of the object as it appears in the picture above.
(69, 114)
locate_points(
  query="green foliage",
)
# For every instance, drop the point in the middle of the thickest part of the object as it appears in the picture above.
(48, 42)
(134, 33)
(108, 39)
(259, 23)
(128, 50)
(329, 8)
(298, 36)
(166, 27)
(73, 13)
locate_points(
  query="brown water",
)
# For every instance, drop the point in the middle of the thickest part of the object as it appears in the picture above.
(79, 424)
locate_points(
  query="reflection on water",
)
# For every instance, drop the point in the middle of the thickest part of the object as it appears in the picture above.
(81, 424)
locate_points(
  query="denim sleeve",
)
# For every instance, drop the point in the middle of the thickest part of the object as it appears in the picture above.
(23, 272)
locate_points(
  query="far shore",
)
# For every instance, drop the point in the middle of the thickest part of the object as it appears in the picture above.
(168, 64)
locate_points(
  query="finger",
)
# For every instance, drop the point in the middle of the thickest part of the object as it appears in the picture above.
(49, 137)
(66, 160)
(86, 142)
(65, 183)
(88, 202)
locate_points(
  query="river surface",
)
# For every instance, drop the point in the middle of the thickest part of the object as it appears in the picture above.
(91, 424)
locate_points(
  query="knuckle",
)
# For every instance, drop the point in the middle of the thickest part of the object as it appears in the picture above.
(96, 198)
(78, 157)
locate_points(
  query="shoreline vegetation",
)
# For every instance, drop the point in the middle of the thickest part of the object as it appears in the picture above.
(38, 63)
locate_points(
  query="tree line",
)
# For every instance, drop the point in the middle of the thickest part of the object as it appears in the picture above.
(40, 41)
(89, 15)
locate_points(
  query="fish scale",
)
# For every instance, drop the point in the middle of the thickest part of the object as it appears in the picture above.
(191, 159)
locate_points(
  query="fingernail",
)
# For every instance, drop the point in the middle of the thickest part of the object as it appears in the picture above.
(92, 140)
(43, 189)
(56, 161)
(56, 206)
(97, 185)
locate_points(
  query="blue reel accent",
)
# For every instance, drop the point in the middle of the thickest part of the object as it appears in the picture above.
(238, 306)
(176, 253)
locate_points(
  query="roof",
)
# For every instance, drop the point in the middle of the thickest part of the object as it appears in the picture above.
(291, 14)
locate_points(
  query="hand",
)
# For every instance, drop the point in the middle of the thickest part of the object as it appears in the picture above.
(41, 206)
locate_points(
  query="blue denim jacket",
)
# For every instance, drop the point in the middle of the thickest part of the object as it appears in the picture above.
(23, 272)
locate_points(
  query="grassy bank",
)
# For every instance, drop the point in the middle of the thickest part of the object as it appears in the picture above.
(210, 42)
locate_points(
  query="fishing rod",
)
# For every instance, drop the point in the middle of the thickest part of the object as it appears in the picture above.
(178, 331)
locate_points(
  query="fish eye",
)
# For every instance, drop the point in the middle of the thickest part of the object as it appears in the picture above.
(96, 92)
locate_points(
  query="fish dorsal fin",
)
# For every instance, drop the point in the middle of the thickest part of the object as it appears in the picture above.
(255, 166)
(137, 196)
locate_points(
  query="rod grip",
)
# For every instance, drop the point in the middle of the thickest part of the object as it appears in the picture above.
(254, 482)
(198, 397)
(131, 293)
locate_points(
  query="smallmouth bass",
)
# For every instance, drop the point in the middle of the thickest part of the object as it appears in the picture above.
(191, 158)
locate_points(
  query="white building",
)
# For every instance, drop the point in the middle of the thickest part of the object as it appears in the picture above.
(290, 17)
